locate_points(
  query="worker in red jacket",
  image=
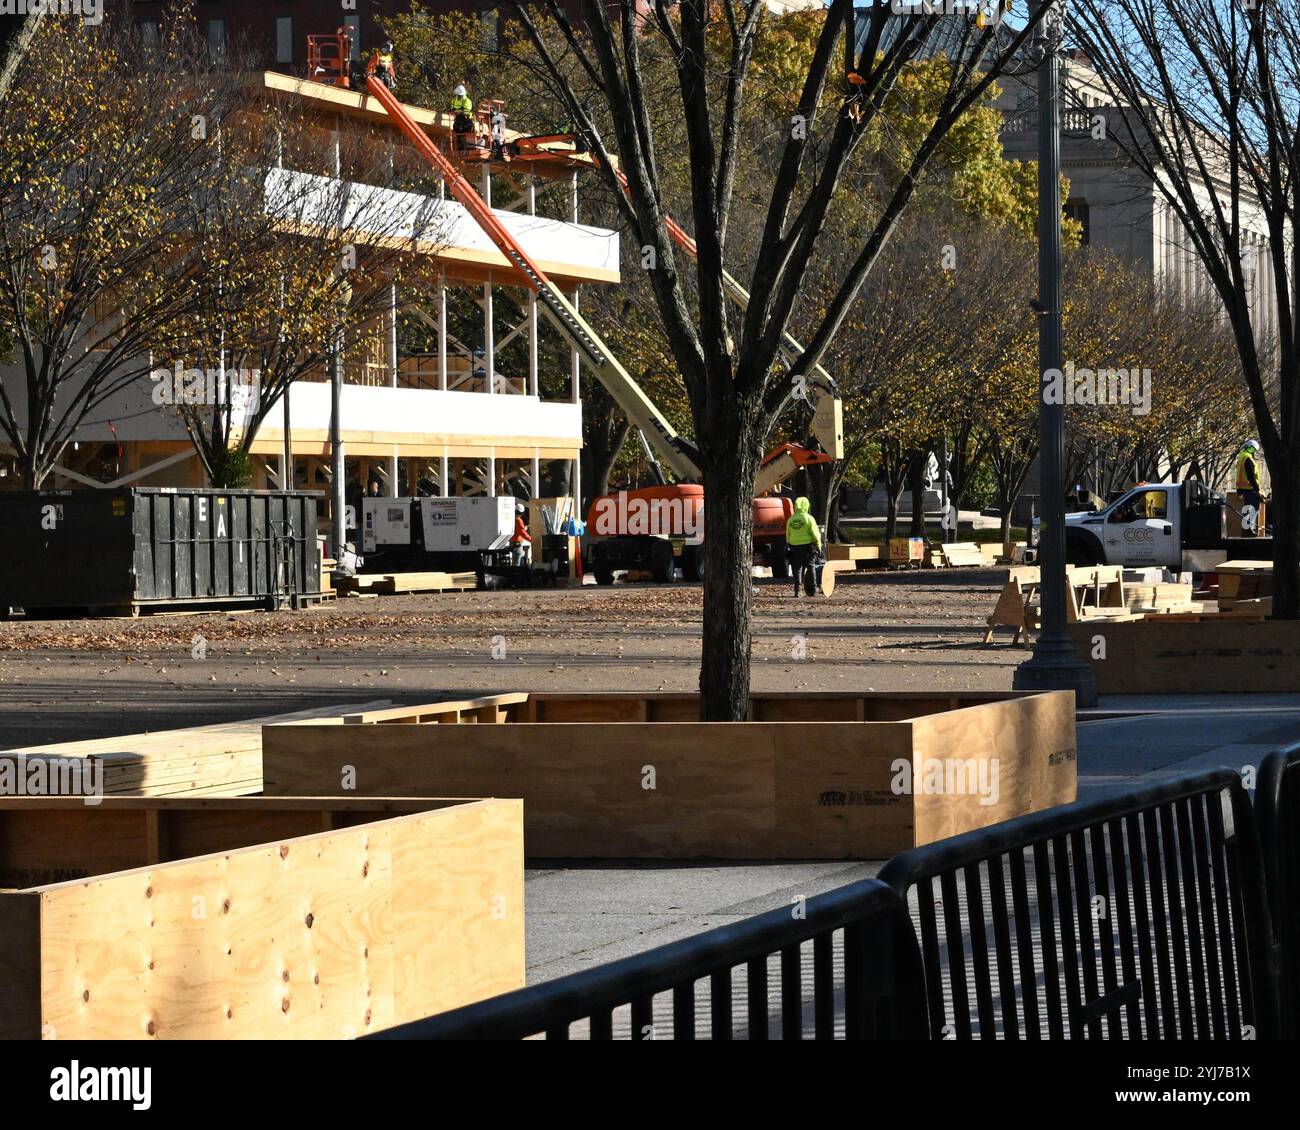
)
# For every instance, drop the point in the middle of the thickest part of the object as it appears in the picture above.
(521, 539)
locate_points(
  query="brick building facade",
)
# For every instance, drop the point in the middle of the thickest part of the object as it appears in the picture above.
(277, 29)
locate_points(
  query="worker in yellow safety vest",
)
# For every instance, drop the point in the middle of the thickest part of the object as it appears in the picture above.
(802, 540)
(381, 65)
(1252, 497)
(463, 107)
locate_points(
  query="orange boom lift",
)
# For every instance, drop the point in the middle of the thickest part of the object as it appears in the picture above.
(328, 62)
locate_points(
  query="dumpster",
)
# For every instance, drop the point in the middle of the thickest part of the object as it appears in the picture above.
(125, 550)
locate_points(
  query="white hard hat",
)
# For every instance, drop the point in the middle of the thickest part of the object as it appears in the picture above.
(459, 92)
(1253, 444)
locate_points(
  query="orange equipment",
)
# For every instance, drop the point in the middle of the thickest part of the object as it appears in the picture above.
(658, 551)
(329, 58)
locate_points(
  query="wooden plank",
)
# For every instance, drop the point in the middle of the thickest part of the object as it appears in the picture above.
(828, 574)
(961, 553)
(430, 582)
(585, 786)
(1170, 655)
(430, 711)
(56, 839)
(1012, 609)
(858, 555)
(1006, 760)
(608, 789)
(225, 757)
(328, 935)
(462, 921)
(833, 793)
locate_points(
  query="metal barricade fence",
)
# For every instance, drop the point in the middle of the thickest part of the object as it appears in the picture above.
(1140, 916)
(1277, 807)
(843, 965)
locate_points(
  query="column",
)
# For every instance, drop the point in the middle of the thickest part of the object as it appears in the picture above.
(489, 339)
(442, 333)
(574, 363)
(394, 487)
(534, 386)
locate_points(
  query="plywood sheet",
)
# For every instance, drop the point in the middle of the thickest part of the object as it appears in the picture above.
(328, 935)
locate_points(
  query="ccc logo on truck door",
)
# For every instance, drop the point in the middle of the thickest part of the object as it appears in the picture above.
(1138, 535)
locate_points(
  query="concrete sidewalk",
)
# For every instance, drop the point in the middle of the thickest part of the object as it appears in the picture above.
(581, 914)
(1171, 734)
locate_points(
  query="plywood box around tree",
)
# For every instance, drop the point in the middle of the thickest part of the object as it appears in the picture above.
(1167, 655)
(636, 776)
(238, 918)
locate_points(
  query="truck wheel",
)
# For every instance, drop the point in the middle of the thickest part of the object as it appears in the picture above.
(1081, 553)
(603, 576)
(664, 566)
(693, 563)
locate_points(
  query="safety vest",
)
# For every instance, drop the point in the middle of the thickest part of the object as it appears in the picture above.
(461, 104)
(1246, 460)
(385, 61)
(802, 529)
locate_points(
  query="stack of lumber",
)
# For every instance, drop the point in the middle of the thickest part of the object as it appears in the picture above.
(1161, 597)
(1200, 612)
(220, 760)
(997, 553)
(1093, 592)
(1241, 581)
(948, 555)
(855, 556)
(389, 584)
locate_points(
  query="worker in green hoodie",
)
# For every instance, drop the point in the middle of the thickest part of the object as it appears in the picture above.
(802, 539)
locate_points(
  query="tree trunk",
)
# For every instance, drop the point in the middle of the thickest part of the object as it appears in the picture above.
(823, 489)
(729, 473)
(916, 484)
(1286, 541)
(603, 439)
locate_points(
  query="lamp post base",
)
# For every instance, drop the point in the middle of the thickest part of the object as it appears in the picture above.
(1054, 666)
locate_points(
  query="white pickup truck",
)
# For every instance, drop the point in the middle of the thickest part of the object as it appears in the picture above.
(1180, 526)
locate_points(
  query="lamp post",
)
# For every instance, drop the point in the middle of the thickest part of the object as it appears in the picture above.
(1053, 665)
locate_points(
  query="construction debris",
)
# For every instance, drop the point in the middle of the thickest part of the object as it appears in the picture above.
(389, 584)
(1095, 593)
(220, 760)
(1242, 581)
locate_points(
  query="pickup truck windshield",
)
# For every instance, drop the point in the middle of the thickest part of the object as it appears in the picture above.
(1139, 504)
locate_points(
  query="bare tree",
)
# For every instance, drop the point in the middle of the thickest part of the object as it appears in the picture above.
(103, 150)
(727, 361)
(292, 263)
(1206, 107)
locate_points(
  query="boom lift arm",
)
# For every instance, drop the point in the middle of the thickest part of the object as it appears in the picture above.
(681, 455)
(823, 395)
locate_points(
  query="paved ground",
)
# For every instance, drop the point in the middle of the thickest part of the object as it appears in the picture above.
(65, 680)
(96, 678)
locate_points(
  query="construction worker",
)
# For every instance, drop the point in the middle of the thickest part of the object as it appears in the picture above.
(521, 539)
(499, 134)
(381, 65)
(463, 107)
(1248, 487)
(802, 539)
